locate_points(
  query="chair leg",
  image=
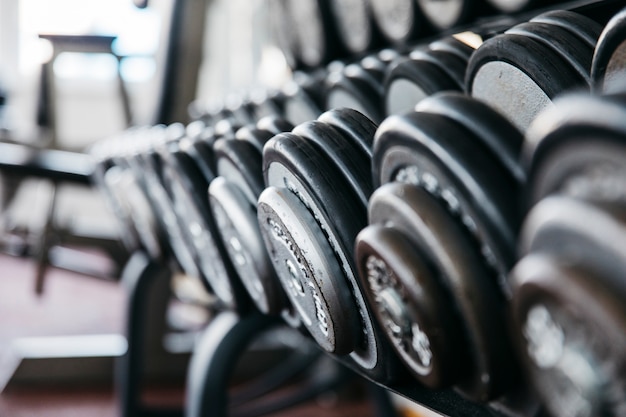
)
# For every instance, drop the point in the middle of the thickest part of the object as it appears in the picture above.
(45, 243)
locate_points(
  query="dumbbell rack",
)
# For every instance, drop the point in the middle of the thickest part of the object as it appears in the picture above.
(228, 335)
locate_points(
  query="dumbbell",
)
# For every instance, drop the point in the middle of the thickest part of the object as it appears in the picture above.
(233, 196)
(355, 25)
(446, 14)
(360, 86)
(443, 227)
(439, 66)
(318, 181)
(187, 184)
(512, 6)
(569, 315)
(305, 96)
(400, 21)
(521, 71)
(608, 70)
(310, 25)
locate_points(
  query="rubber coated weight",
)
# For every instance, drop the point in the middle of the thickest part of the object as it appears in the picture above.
(358, 86)
(188, 187)
(454, 46)
(439, 155)
(577, 148)
(274, 125)
(292, 163)
(316, 38)
(254, 136)
(299, 168)
(236, 220)
(354, 23)
(409, 303)
(585, 28)
(511, 6)
(447, 14)
(518, 76)
(408, 81)
(337, 149)
(449, 63)
(568, 306)
(305, 96)
(608, 69)
(398, 20)
(486, 370)
(496, 133)
(569, 46)
(355, 126)
(240, 162)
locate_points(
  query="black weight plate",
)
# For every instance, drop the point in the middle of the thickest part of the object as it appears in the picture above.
(148, 167)
(512, 6)
(308, 272)
(608, 70)
(356, 88)
(241, 163)
(398, 20)
(569, 46)
(441, 156)
(571, 332)
(577, 147)
(189, 194)
(410, 305)
(355, 126)
(457, 262)
(495, 132)
(585, 28)
(317, 41)
(446, 14)
(289, 160)
(449, 63)
(267, 103)
(274, 125)
(454, 46)
(305, 96)
(255, 136)
(344, 156)
(581, 233)
(236, 220)
(409, 81)
(354, 24)
(518, 76)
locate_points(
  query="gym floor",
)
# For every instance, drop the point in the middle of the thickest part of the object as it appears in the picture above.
(73, 304)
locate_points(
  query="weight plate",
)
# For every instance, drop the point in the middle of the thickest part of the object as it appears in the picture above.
(410, 81)
(511, 6)
(576, 148)
(191, 205)
(454, 257)
(492, 129)
(608, 70)
(449, 63)
(274, 125)
(518, 76)
(304, 97)
(569, 46)
(572, 335)
(291, 162)
(354, 24)
(446, 14)
(343, 155)
(454, 46)
(398, 20)
(355, 126)
(437, 154)
(254, 136)
(236, 220)
(582, 26)
(240, 163)
(303, 260)
(410, 305)
(357, 88)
